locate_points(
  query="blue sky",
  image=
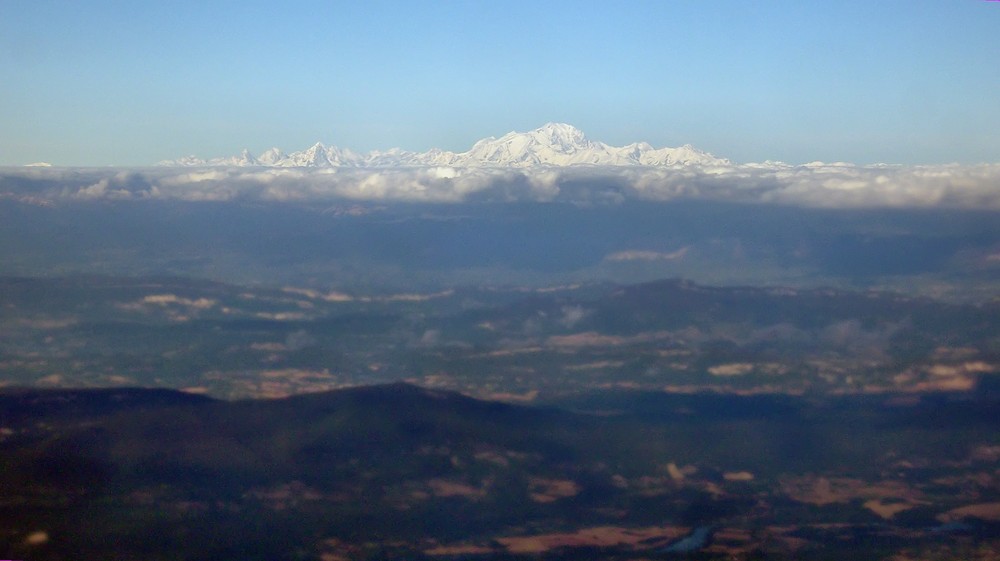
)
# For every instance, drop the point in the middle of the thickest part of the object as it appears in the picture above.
(131, 83)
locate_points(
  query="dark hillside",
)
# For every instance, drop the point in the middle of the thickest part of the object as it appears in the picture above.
(396, 469)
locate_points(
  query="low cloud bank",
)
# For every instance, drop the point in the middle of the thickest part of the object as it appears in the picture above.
(814, 185)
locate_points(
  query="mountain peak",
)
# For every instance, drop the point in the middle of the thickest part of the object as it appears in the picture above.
(561, 136)
(552, 144)
(271, 157)
(560, 130)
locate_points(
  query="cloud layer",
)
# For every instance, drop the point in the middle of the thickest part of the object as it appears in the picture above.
(814, 185)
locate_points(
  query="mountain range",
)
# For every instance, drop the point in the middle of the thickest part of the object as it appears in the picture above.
(553, 144)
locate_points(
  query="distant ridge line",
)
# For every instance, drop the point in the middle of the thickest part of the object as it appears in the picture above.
(553, 144)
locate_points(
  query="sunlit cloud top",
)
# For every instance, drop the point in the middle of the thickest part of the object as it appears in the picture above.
(813, 185)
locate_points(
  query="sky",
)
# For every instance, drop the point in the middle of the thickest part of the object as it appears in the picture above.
(102, 83)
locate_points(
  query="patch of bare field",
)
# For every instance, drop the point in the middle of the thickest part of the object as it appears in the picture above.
(459, 549)
(978, 552)
(781, 538)
(671, 353)
(623, 385)
(711, 488)
(732, 542)
(525, 397)
(271, 384)
(830, 366)
(731, 369)
(416, 495)
(446, 488)
(586, 339)
(677, 473)
(601, 536)
(598, 365)
(556, 288)
(981, 480)
(335, 296)
(887, 509)
(199, 390)
(551, 490)
(903, 401)
(47, 323)
(297, 374)
(959, 383)
(51, 380)
(985, 511)
(281, 316)
(822, 491)
(269, 347)
(647, 485)
(986, 453)
(439, 380)
(790, 543)
(971, 367)
(763, 389)
(954, 353)
(508, 352)
(678, 366)
(492, 457)
(942, 377)
(36, 538)
(772, 368)
(595, 339)
(732, 534)
(282, 496)
(333, 549)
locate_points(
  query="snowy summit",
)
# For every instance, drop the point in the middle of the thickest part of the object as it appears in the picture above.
(553, 144)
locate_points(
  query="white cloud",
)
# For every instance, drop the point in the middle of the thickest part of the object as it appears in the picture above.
(835, 185)
(100, 190)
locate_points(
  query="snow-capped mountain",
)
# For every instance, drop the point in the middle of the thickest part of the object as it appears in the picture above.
(558, 144)
(554, 144)
(271, 157)
(319, 156)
